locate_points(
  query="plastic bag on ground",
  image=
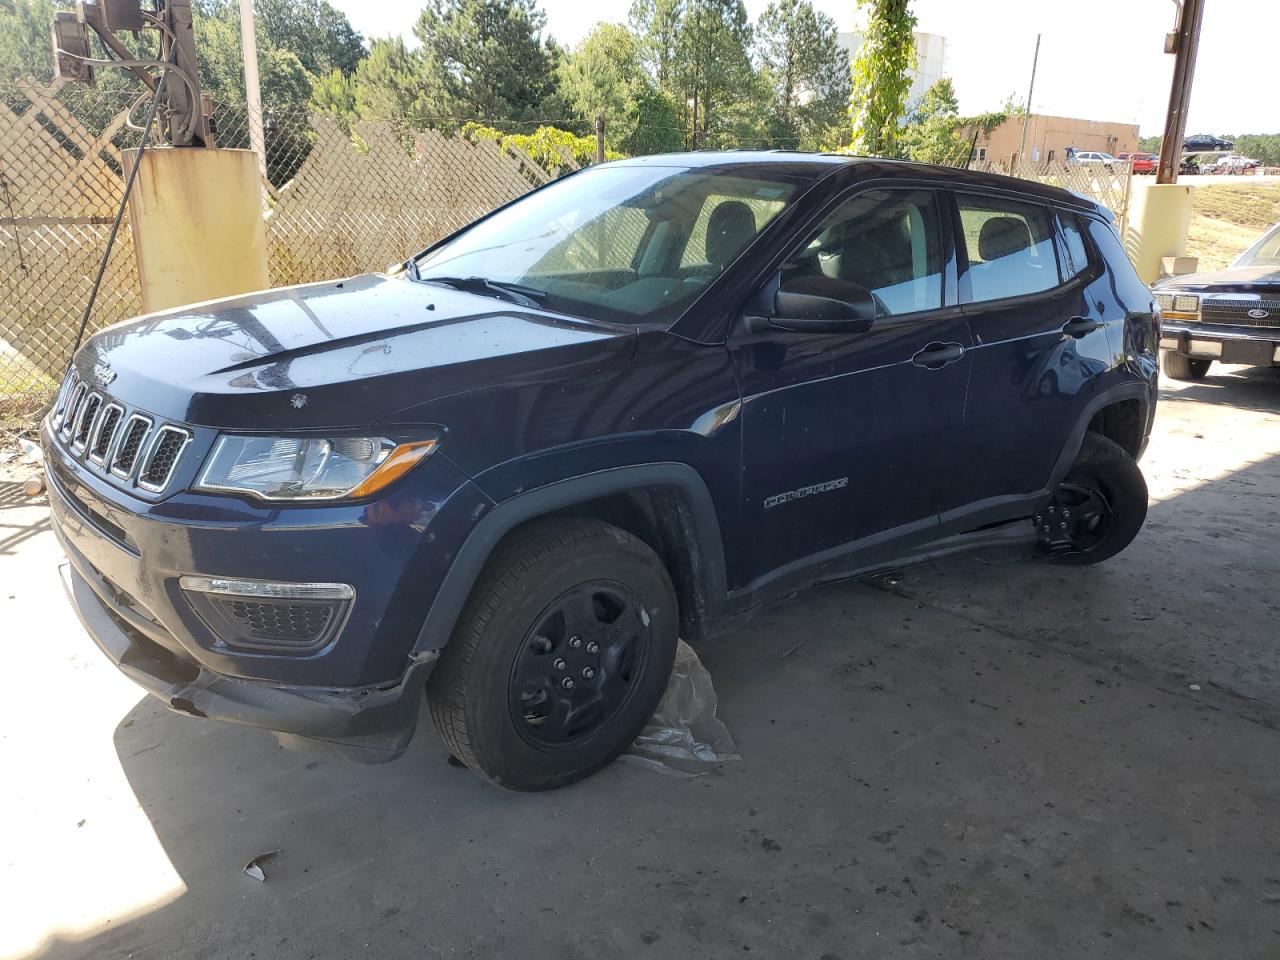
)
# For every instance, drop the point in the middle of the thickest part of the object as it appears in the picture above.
(684, 734)
(31, 452)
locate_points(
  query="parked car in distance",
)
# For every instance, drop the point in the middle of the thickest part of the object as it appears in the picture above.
(1142, 162)
(1094, 157)
(1203, 142)
(1233, 164)
(1231, 315)
(634, 405)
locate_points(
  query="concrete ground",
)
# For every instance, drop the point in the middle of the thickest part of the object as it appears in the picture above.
(1013, 761)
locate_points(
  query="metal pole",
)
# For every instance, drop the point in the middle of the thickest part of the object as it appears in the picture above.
(1186, 41)
(252, 86)
(1035, 62)
(600, 138)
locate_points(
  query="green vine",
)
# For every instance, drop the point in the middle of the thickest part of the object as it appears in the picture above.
(881, 75)
(548, 147)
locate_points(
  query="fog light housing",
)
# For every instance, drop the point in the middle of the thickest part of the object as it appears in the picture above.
(269, 616)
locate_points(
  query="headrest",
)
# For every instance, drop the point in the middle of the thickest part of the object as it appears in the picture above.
(730, 227)
(1002, 237)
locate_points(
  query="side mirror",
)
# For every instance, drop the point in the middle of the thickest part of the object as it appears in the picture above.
(819, 304)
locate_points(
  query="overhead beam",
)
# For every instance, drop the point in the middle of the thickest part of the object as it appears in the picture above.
(1185, 41)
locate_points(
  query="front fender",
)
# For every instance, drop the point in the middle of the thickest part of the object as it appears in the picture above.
(684, 481)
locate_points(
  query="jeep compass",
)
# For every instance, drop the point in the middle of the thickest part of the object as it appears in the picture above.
(634, 405)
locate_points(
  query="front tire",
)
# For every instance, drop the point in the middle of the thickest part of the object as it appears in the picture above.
(1098, 508)
(1181, 367)
(560, 657)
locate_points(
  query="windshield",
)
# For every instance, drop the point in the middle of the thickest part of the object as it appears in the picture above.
(633, 244)
(1264, 253)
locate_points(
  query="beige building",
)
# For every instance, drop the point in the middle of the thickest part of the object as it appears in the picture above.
(1049, 137)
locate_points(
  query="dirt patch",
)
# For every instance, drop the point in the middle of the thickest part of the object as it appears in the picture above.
(1227, 218)
(25, 391)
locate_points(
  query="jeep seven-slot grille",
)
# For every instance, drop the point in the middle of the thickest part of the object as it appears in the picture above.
(125, 444)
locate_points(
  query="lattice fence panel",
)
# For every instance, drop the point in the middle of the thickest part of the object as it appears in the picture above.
(59, 189)
(1110, 186)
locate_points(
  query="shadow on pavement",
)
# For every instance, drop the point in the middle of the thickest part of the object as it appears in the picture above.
(1251, 388)
(14, 531)
(986, 761)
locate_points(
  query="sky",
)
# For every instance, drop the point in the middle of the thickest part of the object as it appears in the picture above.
(1099, 59)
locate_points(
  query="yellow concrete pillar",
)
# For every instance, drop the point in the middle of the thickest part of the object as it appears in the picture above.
(198, 233)
(1159, 218)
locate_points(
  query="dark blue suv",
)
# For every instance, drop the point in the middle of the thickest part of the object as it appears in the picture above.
(634, 405)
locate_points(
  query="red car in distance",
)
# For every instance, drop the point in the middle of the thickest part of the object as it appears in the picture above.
(1142, 162)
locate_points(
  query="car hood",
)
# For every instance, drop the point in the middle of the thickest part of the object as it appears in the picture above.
(371, 349)
(1261, 280)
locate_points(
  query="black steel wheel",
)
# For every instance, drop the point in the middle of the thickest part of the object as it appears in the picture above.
(1098, 508)
(578, 663)
(560, 657)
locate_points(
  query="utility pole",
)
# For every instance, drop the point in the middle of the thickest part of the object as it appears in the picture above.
(1183, 43)
(1035, 62)
(600, 138)
(252, 85)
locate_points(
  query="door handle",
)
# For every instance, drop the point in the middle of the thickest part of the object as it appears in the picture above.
(1078, 327)
(937, 355)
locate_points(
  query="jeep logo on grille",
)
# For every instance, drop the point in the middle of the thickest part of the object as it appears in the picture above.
(1259, 314)
(103, 375)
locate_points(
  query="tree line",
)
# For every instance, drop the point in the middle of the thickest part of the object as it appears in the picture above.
(681, 74)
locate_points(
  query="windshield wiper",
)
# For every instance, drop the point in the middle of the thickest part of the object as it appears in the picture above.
(511, 292)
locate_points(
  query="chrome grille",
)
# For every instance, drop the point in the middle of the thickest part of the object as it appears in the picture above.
(85, 419)
(126, 456)
(64, 397)
(162, 458)
(1236, 312)
(125, 444)
(100, 441)
(78, 393)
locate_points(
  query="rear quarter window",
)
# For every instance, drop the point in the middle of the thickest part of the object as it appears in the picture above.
(1077, 252)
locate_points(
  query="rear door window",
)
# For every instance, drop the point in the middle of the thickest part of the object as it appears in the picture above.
(1009, 246)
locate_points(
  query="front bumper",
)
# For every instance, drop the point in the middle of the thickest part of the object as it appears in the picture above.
(371, 724)
(1254, 346)
(362, 690)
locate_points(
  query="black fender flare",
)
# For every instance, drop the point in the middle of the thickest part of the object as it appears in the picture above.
(514, 511)
(1142, 392)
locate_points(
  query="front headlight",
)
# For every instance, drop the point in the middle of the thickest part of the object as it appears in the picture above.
(1179, 306)
(309, 468)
